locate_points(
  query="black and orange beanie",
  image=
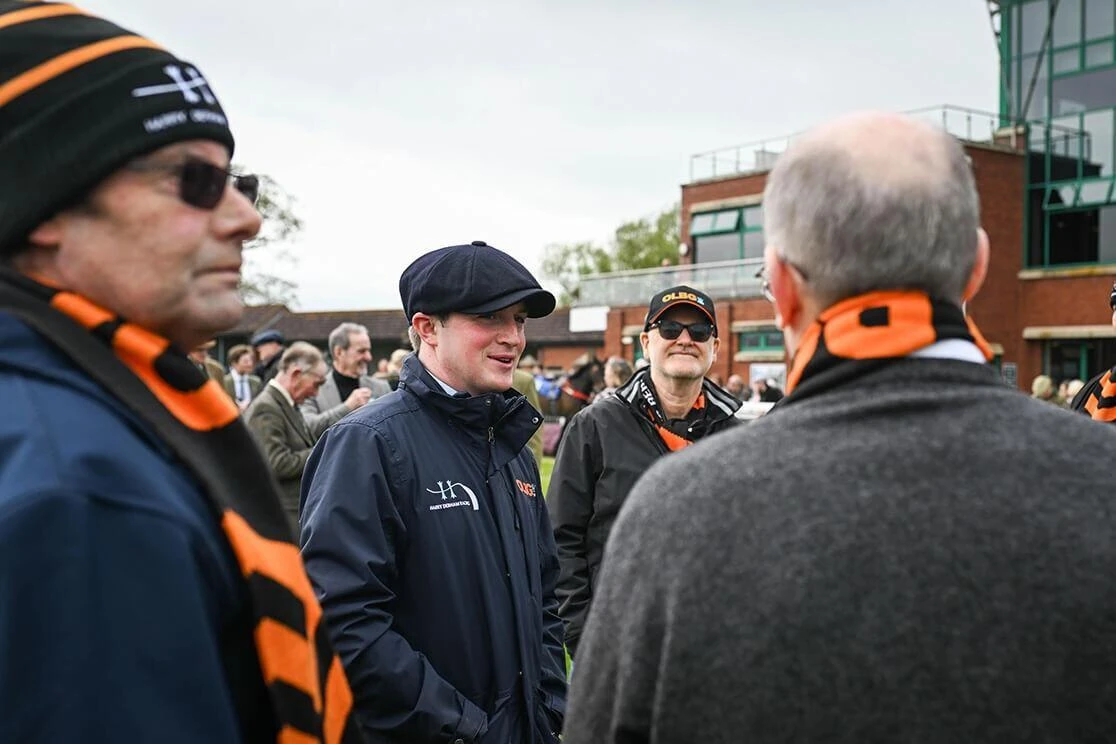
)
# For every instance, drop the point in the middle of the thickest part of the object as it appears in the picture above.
(79, 97)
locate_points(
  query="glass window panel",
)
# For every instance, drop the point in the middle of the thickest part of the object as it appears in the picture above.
(1098, 55)
(728, 220)
(1072, 237)
(774, 340)
(1061, 196)
(1098, 143)
(711, 248)
(1033, 26)
(1067, 23)
(702, 223)
(1065, 136)
(1013, 29)
(1106, 234)
(1094, 192)
(1089, 90)
(1066, 61)
(753, 244)
(1036, 108)
(1100, 18)
(753, 216)
(750, 340)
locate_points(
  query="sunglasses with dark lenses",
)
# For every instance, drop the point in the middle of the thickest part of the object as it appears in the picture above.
(202, 184)
(672, 329)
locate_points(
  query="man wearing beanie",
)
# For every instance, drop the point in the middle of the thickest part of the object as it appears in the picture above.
(664, 407)
(149, 585)
(424, 529)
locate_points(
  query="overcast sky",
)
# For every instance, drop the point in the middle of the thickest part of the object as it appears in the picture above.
(404, 127)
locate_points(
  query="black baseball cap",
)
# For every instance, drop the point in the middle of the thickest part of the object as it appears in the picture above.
(680, 295)
(474, 278)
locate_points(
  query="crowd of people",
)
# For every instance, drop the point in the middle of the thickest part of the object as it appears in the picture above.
(903, 549)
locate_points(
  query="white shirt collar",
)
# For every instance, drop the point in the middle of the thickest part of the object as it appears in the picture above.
(273, 383)
(449, 391)
(952, 348)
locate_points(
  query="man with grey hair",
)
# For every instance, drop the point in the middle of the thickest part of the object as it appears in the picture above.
(909, 559)
(348, 386)
(279, 428)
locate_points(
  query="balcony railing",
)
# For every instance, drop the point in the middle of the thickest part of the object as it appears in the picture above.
(963, 123)
(720, 280)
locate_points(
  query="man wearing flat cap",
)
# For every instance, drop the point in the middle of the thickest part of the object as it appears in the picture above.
(664, 407)
(424, 529)
(269, 346)
(150, 590)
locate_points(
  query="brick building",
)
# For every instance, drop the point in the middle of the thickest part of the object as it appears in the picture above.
(1044, 169)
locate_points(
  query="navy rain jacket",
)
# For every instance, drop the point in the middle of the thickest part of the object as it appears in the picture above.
(123, 613)
(428, 543)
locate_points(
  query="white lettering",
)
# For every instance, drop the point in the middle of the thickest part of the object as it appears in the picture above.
(204, 116)
(165, 121)
(448, 505)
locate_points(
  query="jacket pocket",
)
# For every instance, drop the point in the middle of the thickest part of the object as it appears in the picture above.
(505, 722)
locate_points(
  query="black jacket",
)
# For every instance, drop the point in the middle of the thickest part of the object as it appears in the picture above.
(605, 449)
(427, 542)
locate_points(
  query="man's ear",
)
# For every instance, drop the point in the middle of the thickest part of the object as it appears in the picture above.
(643, 339)
(787, 291)
(426, 327)
(980, 267)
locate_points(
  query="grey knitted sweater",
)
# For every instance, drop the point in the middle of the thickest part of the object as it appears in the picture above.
(920, 555)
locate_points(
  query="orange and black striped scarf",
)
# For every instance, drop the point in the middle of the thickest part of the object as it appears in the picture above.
(194, 417)
(863, 333)
(1098, 398)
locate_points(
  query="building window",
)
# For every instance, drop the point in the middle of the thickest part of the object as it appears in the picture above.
(1081, 236)
(761, 339)
(1080, 359)
(727, 234)
(1100, 19)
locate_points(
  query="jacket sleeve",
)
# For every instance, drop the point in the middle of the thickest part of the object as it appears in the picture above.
(351, 527)
(270, 429)
(318, 421)
(616, 687)
(553, 674)
(573, 482)
(111, 624)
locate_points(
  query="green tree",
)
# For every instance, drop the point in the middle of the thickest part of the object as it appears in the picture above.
(566, 263)
(268, 257)
(647, 242)
(640, 244)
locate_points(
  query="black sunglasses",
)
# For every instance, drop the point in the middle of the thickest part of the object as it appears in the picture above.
(672, 329)
(202, 184)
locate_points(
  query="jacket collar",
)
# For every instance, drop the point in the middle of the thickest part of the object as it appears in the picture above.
(508, 414)
(722, 404)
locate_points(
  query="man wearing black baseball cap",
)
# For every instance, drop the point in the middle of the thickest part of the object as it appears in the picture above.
(149, 585)
(664, 407)
(424, 529)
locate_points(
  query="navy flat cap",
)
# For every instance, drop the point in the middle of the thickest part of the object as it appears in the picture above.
(264, 337)
(474, 278)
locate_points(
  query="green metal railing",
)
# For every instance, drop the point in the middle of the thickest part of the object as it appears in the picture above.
(964, 123)
(720, 280)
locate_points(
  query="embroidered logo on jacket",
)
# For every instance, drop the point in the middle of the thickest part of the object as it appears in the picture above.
(449, 491)
(527, 489)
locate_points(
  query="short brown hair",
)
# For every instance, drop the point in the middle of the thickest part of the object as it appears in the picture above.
(236, 352)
